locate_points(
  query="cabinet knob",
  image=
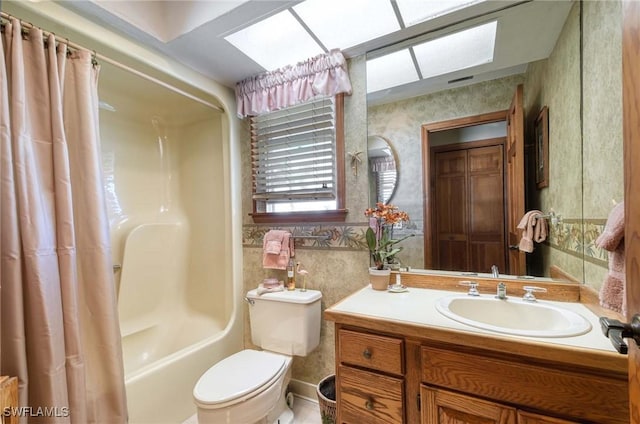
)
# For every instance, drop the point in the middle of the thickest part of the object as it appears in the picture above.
(367, 353)
(369, 404)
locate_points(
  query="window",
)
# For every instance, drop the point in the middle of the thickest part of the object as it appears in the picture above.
(297, 161)
(385, 184)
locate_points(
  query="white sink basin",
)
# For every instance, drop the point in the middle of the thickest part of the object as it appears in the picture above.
(513, 316)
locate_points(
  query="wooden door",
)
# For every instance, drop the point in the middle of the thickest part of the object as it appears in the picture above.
(468, 210)
(486, 208)
(631, 134)
(444, 407)
(428, 173)
(515, 182)
(450, 211)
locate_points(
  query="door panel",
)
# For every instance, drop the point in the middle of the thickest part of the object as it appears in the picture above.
(450, 210)
(444, 407)
(515, 180)
(486, 209)
(484, 254)
(486, 204)
(452, 254)
(486, 191)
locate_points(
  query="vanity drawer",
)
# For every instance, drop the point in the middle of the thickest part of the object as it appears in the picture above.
(380, 353)
(367, 397)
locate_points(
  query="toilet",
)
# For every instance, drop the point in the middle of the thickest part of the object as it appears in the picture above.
(249, 387)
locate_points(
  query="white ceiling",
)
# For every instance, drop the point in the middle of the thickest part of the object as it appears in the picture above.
(193, 32)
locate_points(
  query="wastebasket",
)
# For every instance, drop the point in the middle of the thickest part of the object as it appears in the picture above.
(327, 399)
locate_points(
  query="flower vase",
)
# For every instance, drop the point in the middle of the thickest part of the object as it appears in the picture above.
(379, 278)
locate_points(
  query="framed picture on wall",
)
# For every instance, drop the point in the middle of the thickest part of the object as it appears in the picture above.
(541, 136)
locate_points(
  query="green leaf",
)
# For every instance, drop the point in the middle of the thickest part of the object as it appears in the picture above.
(371, 239)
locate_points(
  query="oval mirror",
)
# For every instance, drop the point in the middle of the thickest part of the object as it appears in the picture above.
(383, 169)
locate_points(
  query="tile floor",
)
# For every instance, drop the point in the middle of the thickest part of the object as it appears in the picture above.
(306, 411)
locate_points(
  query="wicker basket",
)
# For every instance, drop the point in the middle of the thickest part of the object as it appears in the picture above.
(327, 399)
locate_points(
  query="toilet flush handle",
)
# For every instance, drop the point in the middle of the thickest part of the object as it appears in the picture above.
(249, 301)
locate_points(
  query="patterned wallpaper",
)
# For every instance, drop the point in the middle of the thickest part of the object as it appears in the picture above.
(602, 137)
(591, 160)
(555, 83)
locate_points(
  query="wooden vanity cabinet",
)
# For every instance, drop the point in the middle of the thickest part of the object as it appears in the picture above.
(8, 399)
(403, 378)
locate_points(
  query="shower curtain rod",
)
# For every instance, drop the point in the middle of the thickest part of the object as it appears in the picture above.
(120, 65)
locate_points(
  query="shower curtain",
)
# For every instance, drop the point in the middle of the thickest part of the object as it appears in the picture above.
(58, 319)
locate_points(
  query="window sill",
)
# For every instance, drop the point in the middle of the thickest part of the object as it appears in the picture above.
(338, 215)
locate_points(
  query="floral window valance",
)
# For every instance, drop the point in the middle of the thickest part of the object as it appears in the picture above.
(323, 75)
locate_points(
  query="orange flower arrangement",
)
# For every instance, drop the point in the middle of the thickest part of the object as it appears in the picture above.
(379, 241)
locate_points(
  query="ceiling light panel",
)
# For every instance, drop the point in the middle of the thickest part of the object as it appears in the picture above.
(340, 24)
(454, 52)
(275, 42)
(391, 70)
(416, 11)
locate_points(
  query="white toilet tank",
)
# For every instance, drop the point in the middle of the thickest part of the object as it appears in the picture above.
(285, 322)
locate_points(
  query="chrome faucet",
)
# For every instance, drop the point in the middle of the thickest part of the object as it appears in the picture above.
(494, 271)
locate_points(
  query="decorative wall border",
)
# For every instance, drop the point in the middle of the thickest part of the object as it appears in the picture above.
(349, 236)
(592, 230)
(577, 237)
(567, 236)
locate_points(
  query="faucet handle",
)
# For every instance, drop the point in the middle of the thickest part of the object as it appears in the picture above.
(529, 296)
(473, 287)
(501, 291)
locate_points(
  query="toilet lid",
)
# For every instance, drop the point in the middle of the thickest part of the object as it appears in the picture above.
(237, 375)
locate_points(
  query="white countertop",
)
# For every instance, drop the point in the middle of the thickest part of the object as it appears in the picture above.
(417, 306)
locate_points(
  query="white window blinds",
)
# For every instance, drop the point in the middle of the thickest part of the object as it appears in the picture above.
(385, 184)
(293, 153)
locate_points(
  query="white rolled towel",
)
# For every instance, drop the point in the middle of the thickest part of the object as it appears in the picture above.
(269, 288)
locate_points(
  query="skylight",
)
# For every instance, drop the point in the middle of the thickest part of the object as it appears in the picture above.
(312, 27)
(275, 42)
(454, 52)
(416, 11)
(388, 71)
(341, 24)
(450, 53)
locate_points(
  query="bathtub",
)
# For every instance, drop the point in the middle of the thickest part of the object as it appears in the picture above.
(167, 187)
(161, 392)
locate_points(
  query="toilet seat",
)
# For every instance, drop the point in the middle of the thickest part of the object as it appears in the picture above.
(238, 377)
